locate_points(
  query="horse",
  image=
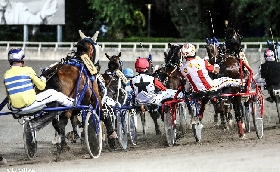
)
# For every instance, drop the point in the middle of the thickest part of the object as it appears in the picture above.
(222, 105)
(172, 67)
(230, 67)
(111, 77)
(63, 77)
(169, 72)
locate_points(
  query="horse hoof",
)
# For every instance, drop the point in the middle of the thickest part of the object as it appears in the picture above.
(230, 122)
(242, 137)
(216, 124)
(226, 128)
(70, 136)
(111, 144)
(65, 147)
(56, 140)
(158, 132)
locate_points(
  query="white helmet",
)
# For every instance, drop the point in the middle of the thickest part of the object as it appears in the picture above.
(16, 55)
(188, 50)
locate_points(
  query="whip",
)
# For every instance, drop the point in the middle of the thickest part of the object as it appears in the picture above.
(276, 58)
(211, 20)
(144, 49)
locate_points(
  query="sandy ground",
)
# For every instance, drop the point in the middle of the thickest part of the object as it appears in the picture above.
(220, 150)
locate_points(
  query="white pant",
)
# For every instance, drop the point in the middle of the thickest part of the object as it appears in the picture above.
(225, 82)
(144, 98)
(49, 96)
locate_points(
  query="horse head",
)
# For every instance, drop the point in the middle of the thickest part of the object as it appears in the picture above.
(88, 45)
(214, 49)
(114, 62)
(233, 41)
(173, 56)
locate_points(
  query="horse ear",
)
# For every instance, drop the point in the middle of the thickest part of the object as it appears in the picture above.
(82, 35)
(108, 57)
(165, 55)
(169, 45)
(94, 38)
(120, 54)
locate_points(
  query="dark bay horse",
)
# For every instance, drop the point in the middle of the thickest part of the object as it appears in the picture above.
(222, 105)
(111, 75)
(169, 73)
(63, 77)
(229, 63)
(173, 60)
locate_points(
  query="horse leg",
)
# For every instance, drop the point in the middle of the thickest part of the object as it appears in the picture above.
(223, 115)
(59, 125)
(238, 117)
(228, 114)
(201, 110)
(143, 119)
(76, 124)
(111, 134)
(57, 138)
(155, 116)
(216, 113)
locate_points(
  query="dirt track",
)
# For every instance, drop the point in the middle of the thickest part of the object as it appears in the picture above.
(220, 151)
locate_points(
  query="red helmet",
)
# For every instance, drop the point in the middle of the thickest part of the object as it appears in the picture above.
(141, 65)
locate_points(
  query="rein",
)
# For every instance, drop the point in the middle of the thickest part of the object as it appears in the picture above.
(50, 75)
(173, 70)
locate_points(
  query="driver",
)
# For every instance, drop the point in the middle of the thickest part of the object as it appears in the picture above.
(146, 88)
(270, 72)
(19, 82)
(196, 72)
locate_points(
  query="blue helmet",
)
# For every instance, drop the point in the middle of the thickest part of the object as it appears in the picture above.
(128, 73)
(16, 55)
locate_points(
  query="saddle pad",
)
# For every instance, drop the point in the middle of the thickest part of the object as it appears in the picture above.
(90, 66)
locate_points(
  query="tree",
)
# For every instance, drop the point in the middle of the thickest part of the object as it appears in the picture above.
(122, 16)
(187, 17)
(257, 16)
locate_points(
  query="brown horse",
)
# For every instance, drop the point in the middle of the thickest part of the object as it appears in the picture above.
(230, 67)
(64, 76)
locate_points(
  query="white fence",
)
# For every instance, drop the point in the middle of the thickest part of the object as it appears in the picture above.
(118, 46)
(53, 51)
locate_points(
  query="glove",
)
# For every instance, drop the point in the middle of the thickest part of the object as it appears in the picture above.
(216, 65)
(49, 8)
(43, 79)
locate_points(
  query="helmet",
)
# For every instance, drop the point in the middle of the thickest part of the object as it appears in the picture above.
(141, 65)
(128, 73)
(188, 50)
(269, 55)
(16, 55)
